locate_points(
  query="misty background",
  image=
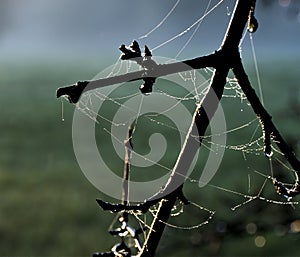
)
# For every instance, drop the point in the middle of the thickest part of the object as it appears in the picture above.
(66, 28)
(48, 207)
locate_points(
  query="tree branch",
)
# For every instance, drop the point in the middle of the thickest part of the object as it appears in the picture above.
(228, 57)
(201, 118)
(269, 130)
(75, 91)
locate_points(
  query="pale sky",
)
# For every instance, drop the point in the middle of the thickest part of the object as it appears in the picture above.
(95, 27)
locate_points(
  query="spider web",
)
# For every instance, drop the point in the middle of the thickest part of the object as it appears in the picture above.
(248, 182)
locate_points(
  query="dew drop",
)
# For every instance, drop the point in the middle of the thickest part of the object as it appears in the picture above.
(228, 11)
(270, 154)
(252, 24)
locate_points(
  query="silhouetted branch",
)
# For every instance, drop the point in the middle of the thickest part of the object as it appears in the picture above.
(229, 52)
(226, 58)
(270, 131)
(74, 92)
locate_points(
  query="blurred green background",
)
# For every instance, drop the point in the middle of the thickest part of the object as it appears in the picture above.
(48, 207)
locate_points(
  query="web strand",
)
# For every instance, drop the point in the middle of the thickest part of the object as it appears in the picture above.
(256, 69)
(162, 21)
(253, 148)
(188, 28)
(194, 32)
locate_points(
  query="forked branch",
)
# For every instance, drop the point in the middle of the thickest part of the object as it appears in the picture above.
(226, 58)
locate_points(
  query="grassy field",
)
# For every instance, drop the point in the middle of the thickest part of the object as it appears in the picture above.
(48, 207)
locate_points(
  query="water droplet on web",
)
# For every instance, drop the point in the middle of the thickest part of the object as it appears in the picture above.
(270, 154)
(228, 11)
(252, 24)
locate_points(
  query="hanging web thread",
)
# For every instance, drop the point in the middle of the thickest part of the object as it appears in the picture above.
(256, 69)
(251, 147)
(62, 110)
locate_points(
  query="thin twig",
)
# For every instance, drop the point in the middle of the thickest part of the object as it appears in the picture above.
(126, 173)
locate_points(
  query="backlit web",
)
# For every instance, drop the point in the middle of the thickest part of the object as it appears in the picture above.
(245, 176)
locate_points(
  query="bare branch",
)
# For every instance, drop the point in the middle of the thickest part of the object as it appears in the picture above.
(228, 57)
(74, 92)
(270, 131)
(201, 118)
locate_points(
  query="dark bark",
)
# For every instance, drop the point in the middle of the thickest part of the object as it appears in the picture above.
(226, 58)
(229, 51)
(75, 91)
(270, 132)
